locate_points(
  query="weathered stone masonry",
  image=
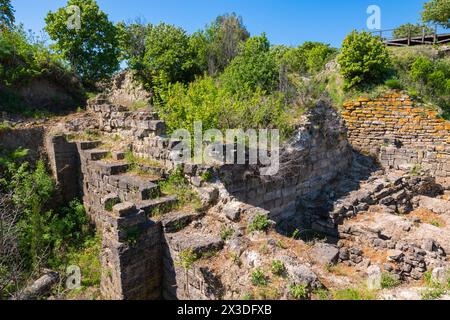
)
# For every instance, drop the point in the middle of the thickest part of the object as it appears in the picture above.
(400, 133)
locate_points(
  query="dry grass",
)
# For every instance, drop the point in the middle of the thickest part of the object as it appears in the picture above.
(429, 217)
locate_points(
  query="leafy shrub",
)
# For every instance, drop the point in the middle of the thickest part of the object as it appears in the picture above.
(364, 60)
(259, 223)
(259, 278)
(206, 101)
(299, 292)
(278, 267)
(168, 55)
(254, 68)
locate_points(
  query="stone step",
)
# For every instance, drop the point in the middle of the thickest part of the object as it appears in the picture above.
(176, 221)
(135, 188)
(96, 154)
(200, 244)
(111, 169)
(157, 171)
(157, 206)
(88, 145)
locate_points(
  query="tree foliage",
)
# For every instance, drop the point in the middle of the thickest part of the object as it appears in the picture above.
(168, 55)
(364, 59)
(93, 50)
(437, 11)
(7, 18)
(223, 38)
(254, 68)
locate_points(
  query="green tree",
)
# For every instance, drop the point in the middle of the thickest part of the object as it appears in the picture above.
(132, 43)
(254, 67)
(222, 39)
(168, 55)
(364, 60)
(93, 50)
(437, 11)
(6, 15)
(409, 29)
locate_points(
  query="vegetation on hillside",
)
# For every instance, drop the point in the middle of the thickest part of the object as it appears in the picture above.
(34, 236)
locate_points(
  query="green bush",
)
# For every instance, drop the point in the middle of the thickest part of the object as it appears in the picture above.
(259, 278)
(299, 292)
(278, 267)
(259, 223)
(45, 237)
(207, 101)
(364, 60)
(226, 233)
(254, 68)
(168, 55)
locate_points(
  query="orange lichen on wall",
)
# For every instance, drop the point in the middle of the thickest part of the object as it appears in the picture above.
(400, 132)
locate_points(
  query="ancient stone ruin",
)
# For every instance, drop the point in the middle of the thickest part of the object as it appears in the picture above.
(363, 180)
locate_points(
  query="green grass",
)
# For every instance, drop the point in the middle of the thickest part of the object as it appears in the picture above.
(388, 281)
(354, 294)
(88, 259)
(138, 105)
(177, 185)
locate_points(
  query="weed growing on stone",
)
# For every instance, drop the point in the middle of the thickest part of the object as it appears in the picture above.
(388, 281)
(278, 268)
(298, 292)
(259, 279)
(259, 223)
(188, 258)
(226, 233)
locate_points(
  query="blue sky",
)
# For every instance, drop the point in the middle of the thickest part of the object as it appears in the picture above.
(289, 22)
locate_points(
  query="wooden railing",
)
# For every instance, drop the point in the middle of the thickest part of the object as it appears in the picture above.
(427, 36)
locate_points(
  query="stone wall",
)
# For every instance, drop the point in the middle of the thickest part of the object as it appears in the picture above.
(314, 157)
(131, 255)
(32, 139)
(65, 164)
(400, 133)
